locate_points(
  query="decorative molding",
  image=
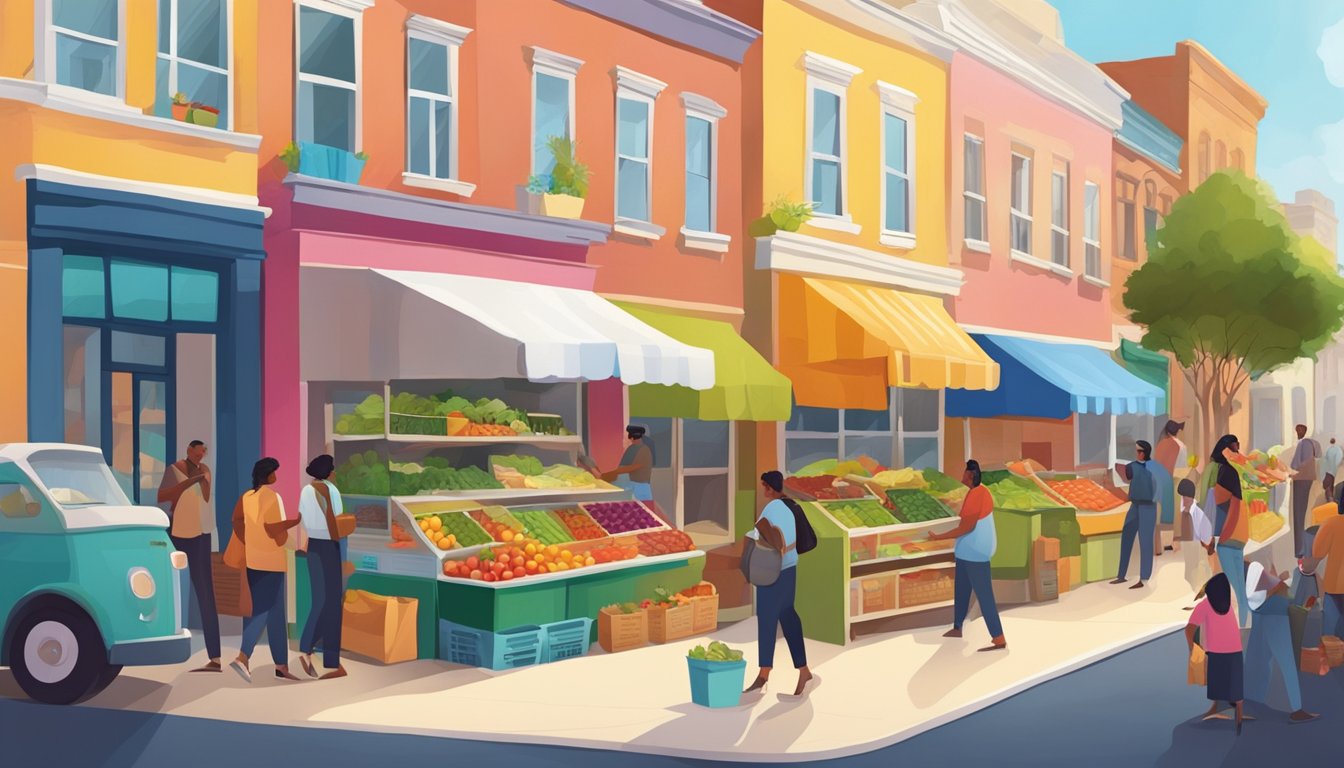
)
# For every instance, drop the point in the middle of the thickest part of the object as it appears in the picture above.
(705, 241)
(904, 241)
(979, 246)
(559, 63)
(179, 192)
(79, 102)
(835, 224)
(358, 6)
(702, 106)
(1039, 263)
(1145, 134)
(903, 28)
(896, 96)
(463, 188)
(1097, 281)
(831, 70)
(636, 228)
(451, 33)
(630, 80)
(807, 255)
(686, 22)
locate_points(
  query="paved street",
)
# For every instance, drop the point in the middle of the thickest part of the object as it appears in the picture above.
(1133, 709)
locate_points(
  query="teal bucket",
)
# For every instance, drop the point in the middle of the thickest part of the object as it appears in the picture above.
(717, 683)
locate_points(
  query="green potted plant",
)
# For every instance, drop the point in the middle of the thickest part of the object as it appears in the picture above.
(180, 107)
(563, 197)
(290, 157)
(203, 114)
(787, 215)
(354, 167)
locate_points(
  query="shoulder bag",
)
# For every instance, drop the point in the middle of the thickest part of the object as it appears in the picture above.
(345, 524)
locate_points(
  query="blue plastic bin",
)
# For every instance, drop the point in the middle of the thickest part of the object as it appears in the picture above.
(565, 639)
(508, 649)
(717, 683)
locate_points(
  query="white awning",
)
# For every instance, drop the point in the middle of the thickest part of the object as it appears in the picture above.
(423, 324)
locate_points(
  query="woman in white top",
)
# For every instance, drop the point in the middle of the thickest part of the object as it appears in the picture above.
(319, 504)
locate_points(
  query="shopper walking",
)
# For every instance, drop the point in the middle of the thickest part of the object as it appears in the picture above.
(777, 528)
(259, 518)
(1305, 456)
(1196, 557)
(1141, 519)
(1271, 643)
(1166, 458)
(1231, 527)
(1330, 469)
(319, 504)
(1329, 546)
(976, 542)
(186, 490)
(1221, 640)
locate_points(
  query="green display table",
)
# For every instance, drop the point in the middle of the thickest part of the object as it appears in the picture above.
(1017, 529)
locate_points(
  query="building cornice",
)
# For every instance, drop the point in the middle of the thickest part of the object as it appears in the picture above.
(685, 22)
(807, 255)
(438, 28)
(180, 192)
(881, 19)
(1146, 135)
(1240, 90)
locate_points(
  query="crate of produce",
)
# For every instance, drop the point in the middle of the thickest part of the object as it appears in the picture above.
(452, 530)
(705, 604)
(619, 517)
(543, 526)
(622, 627)
(913, 506)
(371, 513)
(717, 683)
(565, 639)
(925, 587)
(822, 488)
(1084, 494)
(666, 542)
(674, 623)
(877, 593)
(580, 525)
(506, 649)
(860, 513)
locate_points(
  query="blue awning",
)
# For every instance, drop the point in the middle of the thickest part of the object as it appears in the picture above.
(1040, 379)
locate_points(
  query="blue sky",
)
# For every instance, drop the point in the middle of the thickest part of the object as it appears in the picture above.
(1275, 45)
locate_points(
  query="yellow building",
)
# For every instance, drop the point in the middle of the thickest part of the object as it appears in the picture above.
(130, 231)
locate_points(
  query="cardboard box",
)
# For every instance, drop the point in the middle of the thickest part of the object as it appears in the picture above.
(1070, 573)
(379, 627)
(1045, 550)
(705, 610)
(618, 631)
(1045, 582)
(668, 624)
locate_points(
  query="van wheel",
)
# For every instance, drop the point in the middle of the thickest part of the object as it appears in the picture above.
(58, 657)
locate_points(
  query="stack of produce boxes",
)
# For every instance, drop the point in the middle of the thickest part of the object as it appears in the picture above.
(1025, 510)
(1101, 515)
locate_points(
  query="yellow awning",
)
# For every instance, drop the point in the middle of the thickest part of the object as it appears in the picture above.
(843, 344)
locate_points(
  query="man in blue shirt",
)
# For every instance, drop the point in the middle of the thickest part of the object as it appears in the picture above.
(777, 529)
(1141, 520)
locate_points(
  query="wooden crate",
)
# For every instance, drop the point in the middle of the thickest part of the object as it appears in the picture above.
(618, 631)
(705, 611)
(667, 624)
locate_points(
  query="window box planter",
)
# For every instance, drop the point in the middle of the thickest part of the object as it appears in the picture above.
(202, 115)
(326, 162)
(180, 112)
(562, 206)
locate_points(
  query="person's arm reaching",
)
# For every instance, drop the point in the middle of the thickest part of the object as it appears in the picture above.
(169, 492)
(971, 511)
(205, 482)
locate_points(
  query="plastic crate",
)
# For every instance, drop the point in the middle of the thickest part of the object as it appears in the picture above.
(565, 639)
(717, 683)
(507, 649)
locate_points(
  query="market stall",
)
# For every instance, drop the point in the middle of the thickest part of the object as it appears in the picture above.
(1100, 513)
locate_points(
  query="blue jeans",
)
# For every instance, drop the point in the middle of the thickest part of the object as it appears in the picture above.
(1272, 640)
(774, 608)
(268, 613)
(324, 617)
(974, 577)
(641, 491)
(1141, 521)
(1166, 492)
(1234, 565)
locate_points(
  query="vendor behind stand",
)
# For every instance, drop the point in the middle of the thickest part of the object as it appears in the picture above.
(636, 464)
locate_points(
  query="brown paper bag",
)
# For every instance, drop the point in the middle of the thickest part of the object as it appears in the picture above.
(379, 627)
(1196, 670)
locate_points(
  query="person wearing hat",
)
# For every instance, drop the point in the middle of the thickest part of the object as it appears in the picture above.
(1166, 460)
(636, 464)
(1271, 642)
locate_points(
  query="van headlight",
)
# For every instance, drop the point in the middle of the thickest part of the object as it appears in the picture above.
(142, 583)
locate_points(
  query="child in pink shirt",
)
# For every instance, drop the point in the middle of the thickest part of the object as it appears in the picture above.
(1220, 637)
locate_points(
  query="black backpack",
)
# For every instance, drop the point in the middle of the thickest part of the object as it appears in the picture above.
(806, 537)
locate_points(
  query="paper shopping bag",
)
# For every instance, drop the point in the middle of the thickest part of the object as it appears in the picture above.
(380, 627)
(1196, 671)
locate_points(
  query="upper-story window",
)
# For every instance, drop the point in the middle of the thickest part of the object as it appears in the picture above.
(826, 173)
(432, 106)
(1152, 219)
(326, 108)
(1092, 230)
(973, 183)
(1239, 160)
(702, 133)
(553, 76)
(1059, 213)
(1020, 201)
(82, 45)
(898, 164)
(1219, 155)
(194, 56)
(1126, 224)
(635, 96)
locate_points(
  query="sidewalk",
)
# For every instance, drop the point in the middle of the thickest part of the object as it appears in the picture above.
(876, 692)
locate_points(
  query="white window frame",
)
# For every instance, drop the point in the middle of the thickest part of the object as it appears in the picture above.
(897, 433)
(1055, 228)
(351, 9)
(451, 36)
(681, 472)
(547, 62)
(832, 76)
(174, 60)
(899, 103)
(1015, 213)
(1111, 453)
(705, 108)
(44, 52)
(633, 86)
(1092, 224)
(979, 195)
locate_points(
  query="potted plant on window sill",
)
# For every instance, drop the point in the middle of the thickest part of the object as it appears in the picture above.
(789, 216)
(203, 114)
(181, 106)
(561, 193)
(324, 162)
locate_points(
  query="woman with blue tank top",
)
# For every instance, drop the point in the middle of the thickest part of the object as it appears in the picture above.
(976, 541)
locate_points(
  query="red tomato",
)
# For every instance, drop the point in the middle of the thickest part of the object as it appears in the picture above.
(506, 576)
(476, 575)
(473, 562)
(497, 567)
(491, 576)
(517, 561)
(518, 572)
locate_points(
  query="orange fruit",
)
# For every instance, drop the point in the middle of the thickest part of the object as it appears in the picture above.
(445, 543)
(530, 549)
(530, 566)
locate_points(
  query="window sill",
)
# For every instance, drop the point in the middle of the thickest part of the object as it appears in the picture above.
(979, 246)
(462, 188)
(901, 240)
(705, 241)
(1097, 281)
(78, 102)
(636, 228)
(835, 224)
(1039, 263)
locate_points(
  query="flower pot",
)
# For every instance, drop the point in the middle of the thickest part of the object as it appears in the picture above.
(316, 160)
(180, 112)
(717, 683)
(562, 206)
(352, 169)
(206, 116)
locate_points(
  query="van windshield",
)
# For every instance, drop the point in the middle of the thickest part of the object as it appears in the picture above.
(77, 479)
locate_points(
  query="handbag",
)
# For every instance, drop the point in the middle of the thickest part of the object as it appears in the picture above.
(235, 554)
(345, 524)
(1197, 670)
(761, 564)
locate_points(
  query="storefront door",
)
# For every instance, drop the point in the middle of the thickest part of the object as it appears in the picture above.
(140, 429)
(692, 475)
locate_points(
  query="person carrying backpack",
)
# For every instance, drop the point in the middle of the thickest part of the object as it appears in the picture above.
(770, 562)
(1141, 520)
(976, 542)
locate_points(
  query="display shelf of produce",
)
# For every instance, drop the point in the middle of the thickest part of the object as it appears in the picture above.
(887, 587)
(339, 438)
(618, 565)
(569, 441)
(371, 512)
(894, 527)
(522, 495)
(933, 555)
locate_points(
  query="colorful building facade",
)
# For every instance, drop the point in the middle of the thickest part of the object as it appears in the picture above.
(131, 236)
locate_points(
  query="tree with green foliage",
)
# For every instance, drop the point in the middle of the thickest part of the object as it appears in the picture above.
(1232, 292)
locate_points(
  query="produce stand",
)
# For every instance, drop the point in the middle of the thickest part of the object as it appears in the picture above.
(1025, 510)
(1101, 518)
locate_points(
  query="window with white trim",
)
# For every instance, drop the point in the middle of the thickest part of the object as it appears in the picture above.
(635, 95)
(973, 187)
(82, 45)
(1092, 229)
(908, 433)
(826, 173)
(431, 97)
(326, 108)
(1020, 202)
(897, 134)
(194, 57)
(1059, 213)
(700, 169)
(553, 76)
